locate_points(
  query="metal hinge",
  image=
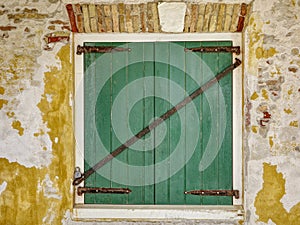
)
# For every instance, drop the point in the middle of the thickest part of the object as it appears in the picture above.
(216, 49)
(99, 49)
(234, 193)
(82, 190)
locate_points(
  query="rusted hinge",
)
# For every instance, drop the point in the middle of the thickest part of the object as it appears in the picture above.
(82, 190)
(99, 49)
(234, 193)
(232, 49)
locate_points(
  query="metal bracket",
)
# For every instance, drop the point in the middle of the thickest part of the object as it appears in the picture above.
(234, 193)
(99, 49)
(216, 49)
(82, 190)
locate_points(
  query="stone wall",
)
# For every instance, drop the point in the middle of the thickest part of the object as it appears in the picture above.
(36, 103)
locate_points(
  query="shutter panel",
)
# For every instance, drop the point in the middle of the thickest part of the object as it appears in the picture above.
(99, 105)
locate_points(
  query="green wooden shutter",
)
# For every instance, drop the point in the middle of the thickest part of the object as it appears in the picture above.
(142, 71)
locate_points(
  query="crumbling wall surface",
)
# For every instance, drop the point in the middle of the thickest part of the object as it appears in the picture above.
(36, 129)
(272, 103)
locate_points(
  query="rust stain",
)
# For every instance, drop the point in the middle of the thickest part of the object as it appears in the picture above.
(16, 124)
(294, 123)
(265, 94)
(2, 90)
(267, 202)
(10, 114)
(265, 53)
(271, 142)
(288, 111)
(7, 28)
(254, 96)
(254, 129)
(2, 103)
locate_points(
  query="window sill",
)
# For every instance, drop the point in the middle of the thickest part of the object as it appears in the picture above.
(157, 213)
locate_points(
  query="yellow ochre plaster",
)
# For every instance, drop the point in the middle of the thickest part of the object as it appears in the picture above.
(16, 124)
(25, 199)
(267, 202)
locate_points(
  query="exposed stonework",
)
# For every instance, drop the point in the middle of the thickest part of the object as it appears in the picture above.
(144, 17)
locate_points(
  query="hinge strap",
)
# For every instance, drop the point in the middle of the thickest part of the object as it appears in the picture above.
(216, 49)
(234, 193)
(99, 49)
(82, 190)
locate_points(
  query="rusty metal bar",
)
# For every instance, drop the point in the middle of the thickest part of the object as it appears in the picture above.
(82, 190)
(234, 193)
(99, 49)
(217, 49)
(156, 122)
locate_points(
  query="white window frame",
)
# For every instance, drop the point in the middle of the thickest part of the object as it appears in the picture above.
(102, 212)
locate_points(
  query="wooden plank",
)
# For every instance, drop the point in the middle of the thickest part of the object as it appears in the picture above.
(225, 154)
(177, 126)
(194, 180)
(103, 121)
(89, 134)
(162, 133)
(119, 82)
(148, 116)
(209, 174)
(136, 154)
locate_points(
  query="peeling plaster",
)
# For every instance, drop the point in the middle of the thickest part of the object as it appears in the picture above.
(268, 200)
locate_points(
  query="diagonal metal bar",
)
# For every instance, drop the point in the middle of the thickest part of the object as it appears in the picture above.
(156, 122)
